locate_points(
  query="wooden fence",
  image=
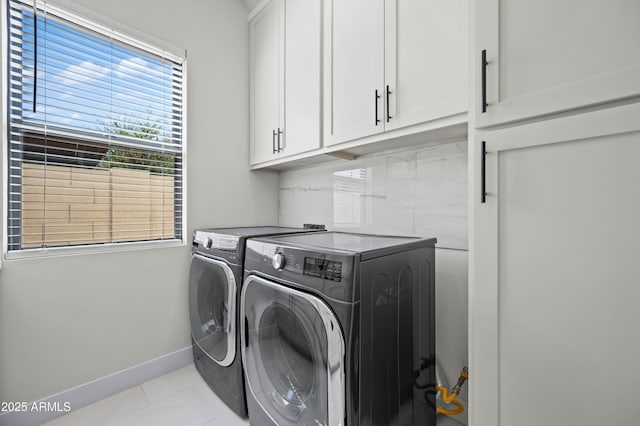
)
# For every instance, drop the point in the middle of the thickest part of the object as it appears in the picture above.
(73, 205)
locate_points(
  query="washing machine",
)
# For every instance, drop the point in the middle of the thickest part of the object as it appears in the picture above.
(215, 279)
(339, 329)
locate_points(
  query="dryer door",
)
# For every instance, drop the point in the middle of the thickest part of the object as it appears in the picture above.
(212, 308)
(293, 353)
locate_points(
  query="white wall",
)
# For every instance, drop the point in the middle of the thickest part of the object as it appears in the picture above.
(67, 320)
(417, 191)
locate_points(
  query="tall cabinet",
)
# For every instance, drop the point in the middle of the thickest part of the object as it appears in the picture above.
(555, 202)
(285, 66)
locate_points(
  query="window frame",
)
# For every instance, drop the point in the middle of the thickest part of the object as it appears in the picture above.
(95, 21)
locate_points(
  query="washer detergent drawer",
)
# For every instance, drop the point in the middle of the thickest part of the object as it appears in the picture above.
(293, 353)
(212, 308)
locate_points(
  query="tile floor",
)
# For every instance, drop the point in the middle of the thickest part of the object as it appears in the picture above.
(179, 398)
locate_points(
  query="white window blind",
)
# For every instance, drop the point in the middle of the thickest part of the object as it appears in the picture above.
(95, 133)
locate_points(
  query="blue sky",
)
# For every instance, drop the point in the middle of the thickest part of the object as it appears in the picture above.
(87, 82)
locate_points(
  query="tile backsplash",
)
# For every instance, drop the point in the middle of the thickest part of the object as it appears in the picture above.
(417, 192)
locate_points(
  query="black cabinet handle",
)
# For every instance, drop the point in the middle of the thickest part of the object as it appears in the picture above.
(388, 93)
(483, 173)
(376, 101)
(273, 141)
(483, 66)
(279, 133)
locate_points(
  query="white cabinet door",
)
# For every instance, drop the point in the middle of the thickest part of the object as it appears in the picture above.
(266, 82)
(302, 97)
(547, 56)
(554, 277)
(425, 60)
(353, 69)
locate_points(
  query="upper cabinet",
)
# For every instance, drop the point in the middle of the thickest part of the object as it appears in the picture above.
(390, 64)
(267, 83)
(544, 57)
(426, 60)
(353, 69)
(330, 76)
(285, 94)
(302, 71)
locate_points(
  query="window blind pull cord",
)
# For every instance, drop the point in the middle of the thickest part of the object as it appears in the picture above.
(35, 53)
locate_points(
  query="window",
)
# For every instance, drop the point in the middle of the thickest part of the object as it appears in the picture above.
(95, 125)
(351, 206)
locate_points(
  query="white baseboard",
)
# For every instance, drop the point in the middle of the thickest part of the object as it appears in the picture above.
(98, 389)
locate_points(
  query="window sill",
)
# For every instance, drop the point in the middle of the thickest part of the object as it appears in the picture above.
(92, 249)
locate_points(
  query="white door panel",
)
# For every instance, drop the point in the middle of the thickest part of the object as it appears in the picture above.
(553, 281)
(425, 60)
(302, 103)
(354, 69)
(265, 81)
(548, 56)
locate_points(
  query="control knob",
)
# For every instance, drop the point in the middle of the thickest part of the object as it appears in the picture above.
(278, 261)
(208, 243)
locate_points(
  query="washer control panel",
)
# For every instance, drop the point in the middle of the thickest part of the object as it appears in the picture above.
(327, 272)
(211, 240)
(323, 268)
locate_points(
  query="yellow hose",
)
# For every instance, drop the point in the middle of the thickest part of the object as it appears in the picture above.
(449, 399)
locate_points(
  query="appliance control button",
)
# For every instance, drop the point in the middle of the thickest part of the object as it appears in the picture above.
(278, 261)
(208, 243)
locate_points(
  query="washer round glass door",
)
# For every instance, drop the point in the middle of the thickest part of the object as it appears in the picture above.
(212, 301)
(293, 354)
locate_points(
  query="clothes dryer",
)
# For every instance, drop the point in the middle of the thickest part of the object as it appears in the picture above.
(339, 329)
(215, 279)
